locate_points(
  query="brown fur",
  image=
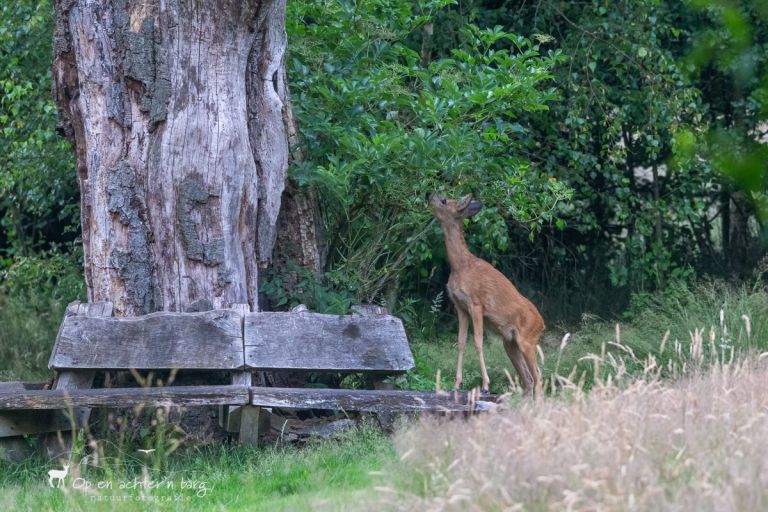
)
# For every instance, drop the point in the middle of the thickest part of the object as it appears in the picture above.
(482, 293)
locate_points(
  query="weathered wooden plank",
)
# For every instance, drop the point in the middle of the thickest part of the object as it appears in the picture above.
(209, 340)
(126, 397)
(20, 386)
(366, 400)
(241, 308)
(370, 310)
(71, 380)
(15, 423)
(78, 308)
(312, 341)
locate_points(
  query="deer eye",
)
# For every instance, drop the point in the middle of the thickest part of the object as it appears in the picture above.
(444, 201)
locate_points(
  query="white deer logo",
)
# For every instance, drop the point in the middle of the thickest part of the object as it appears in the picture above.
(58, 474)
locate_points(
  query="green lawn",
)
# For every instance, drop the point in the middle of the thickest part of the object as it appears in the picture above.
(325, 473)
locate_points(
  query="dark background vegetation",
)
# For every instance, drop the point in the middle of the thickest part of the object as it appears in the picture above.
(619, 148)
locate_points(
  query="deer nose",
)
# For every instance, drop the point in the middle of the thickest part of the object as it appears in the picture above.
(428, 196)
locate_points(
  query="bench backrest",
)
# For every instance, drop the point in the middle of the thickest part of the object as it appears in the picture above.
(210, 340)
(312, 341)
(226, 339)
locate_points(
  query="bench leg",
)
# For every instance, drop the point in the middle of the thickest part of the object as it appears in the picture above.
(249, 421)
(254, 422)
(58, 445)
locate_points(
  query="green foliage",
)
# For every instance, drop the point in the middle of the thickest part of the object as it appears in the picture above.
(318, 293)
(38, 197)
(729, 58)
(51, 275)
(634, 221)
(381, 128)
(38, 191)
(595, 183)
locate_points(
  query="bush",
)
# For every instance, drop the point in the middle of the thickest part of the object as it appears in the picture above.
(382, 125)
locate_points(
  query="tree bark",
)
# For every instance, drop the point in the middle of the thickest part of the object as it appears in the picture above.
(740, 239)
(725, 225)
(300, 233)
(179, 114)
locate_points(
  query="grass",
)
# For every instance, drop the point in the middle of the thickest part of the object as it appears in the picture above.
(697, 444)
(34, 292)
(665, 408)
(648, 444)
(678, 330)
(676, 315)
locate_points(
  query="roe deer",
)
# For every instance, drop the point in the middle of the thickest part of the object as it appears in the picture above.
(57, 474)
(482, 293)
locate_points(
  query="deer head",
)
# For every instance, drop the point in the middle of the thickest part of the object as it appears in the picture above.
(450, 211)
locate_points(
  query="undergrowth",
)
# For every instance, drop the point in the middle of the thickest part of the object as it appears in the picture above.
(34, 291)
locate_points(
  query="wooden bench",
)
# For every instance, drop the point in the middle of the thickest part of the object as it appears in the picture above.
(232, 340)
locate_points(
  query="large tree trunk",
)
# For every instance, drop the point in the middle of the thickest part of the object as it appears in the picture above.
(178, 113)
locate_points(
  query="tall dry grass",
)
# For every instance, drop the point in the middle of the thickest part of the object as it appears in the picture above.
(700, 443)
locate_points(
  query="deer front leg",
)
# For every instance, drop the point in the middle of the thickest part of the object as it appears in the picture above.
(477, 324)
(461, 344)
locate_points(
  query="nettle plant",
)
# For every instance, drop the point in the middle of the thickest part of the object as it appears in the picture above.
(382, 124)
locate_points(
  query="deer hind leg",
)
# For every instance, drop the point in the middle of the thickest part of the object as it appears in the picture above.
(461, 344)
(518, 361)
(528, 348)
(477, 324)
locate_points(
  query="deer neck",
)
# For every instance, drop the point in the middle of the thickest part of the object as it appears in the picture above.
(458, 252)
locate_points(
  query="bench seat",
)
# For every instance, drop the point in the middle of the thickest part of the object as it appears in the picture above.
(284, 398)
